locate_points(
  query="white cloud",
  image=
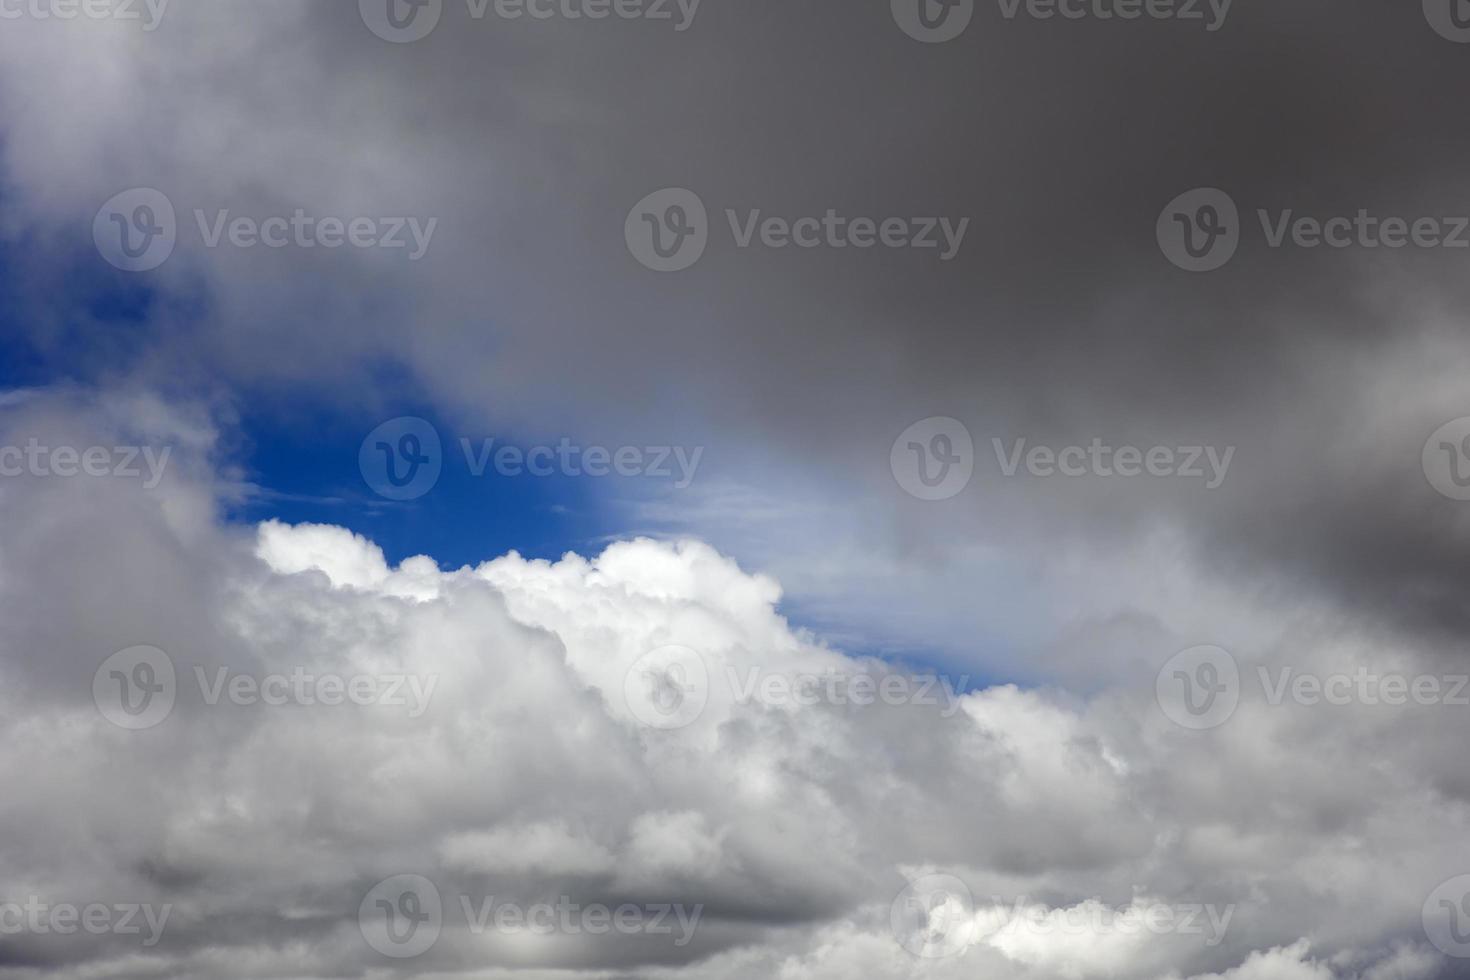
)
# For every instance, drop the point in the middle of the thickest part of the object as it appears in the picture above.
(528, 775)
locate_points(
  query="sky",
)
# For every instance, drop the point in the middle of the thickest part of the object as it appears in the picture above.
(700, 491)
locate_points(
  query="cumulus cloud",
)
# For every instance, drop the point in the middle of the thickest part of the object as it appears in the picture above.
(522, 733)
(1076, 830)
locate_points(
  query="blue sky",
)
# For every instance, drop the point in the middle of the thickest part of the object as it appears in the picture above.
(299, 449)
(648, 236)
(296, 449)
(305, 462)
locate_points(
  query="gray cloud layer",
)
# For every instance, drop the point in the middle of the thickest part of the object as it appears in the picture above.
(533, 775)
(1059, 321)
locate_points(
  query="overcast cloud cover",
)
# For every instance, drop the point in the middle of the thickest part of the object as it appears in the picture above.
(1098, 728)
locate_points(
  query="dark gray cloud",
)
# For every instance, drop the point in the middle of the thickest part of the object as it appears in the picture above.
(1059, 321)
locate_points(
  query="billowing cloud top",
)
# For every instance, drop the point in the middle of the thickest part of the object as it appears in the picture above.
(1167, 725)
(330, 740)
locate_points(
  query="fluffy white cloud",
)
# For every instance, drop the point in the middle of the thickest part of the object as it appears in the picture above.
(511, 762)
